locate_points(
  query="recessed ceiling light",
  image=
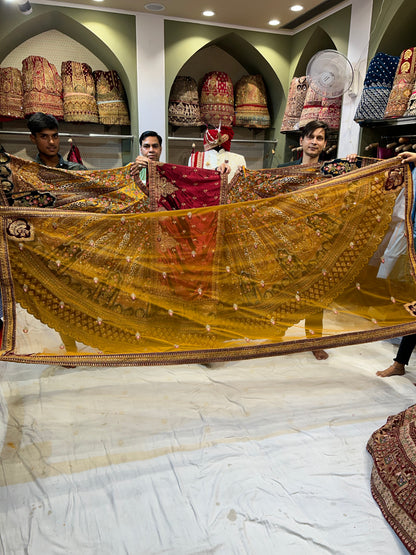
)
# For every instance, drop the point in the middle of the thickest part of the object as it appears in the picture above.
(208, 13)
(154, 7)
(98, 0)
(274, 22)
(296, 8)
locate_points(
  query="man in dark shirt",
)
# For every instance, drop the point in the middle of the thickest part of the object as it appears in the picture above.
(44, 134)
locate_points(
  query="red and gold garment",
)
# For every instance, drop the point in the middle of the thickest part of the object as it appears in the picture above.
(403, 85)
(411, 105)
(217, 99)
(79, 92)
(42, 87)
(11, 94)
(251, 102)
(295, 101)
(191, 260)
(393, 477)
(175, 187)
(321, 108)
(111, 98)
(168, 286)
(29, 184)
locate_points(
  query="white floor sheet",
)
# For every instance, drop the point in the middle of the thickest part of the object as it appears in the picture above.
(263, 456)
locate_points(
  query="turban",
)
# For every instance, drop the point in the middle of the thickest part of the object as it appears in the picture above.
(218, 137)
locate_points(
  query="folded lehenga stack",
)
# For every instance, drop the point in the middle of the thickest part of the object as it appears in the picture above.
(378, 83)
(404, 81)
(251, 102)
(79, 92)
(111, 98)
(11, 94)
(294, 105)
(217, 99)
(184, 108)
(42, 87)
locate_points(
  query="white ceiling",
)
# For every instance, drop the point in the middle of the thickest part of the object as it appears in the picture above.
(241, 13)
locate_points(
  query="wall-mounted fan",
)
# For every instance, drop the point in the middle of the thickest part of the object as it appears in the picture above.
(330, 73)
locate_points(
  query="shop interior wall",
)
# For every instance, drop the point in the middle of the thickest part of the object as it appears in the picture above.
(393, 30)
(277, 57)
(109, 38)
(198, 49)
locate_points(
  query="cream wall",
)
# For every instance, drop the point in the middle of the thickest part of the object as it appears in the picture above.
(150, 46)
(110, 38)
(349, 133)
(150, 51)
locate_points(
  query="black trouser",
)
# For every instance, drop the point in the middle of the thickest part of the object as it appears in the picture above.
(407, 344)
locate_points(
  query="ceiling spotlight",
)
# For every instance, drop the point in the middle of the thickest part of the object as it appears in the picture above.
(208, 13)
(296, 8)
(274, 22)
(154, 7)
(24, 7)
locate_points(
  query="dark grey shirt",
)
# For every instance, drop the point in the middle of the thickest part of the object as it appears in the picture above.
(64, 164)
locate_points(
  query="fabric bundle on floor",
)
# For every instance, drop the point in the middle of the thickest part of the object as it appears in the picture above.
(404, 81)
(79, 92)
(294, 105)
(183, 107)
(42, 87)
(393, 477)
(111, 98)
(378, 83)
(251, 102)
(217, 99)
(11, 94)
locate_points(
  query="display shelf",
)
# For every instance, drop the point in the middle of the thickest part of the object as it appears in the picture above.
(69, 135)
(388, 123)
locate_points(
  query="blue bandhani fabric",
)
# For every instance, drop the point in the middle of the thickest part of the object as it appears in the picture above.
(378, 83)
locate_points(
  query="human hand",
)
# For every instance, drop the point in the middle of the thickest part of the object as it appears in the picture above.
(223, 168)
(407, 157)
(138, 164)
(351, 158)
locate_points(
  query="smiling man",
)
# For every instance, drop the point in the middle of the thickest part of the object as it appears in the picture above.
(150, 144)
(44, 134)
(313, 141)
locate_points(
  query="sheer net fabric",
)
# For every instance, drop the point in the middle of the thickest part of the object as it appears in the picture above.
(212, 282)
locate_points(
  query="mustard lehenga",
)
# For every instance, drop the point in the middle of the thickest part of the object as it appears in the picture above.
(197, 272)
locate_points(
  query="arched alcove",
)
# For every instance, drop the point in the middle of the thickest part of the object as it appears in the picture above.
(400, 32)
(69, 26)
(101, 147)
(237, 57)
(320, 40)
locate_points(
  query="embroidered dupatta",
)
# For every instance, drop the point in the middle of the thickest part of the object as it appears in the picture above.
(140, 288)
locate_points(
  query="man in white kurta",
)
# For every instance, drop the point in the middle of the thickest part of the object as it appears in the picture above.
(217, 155)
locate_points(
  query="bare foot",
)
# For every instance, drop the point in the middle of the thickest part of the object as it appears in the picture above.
(396, 369)
(320, 354)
